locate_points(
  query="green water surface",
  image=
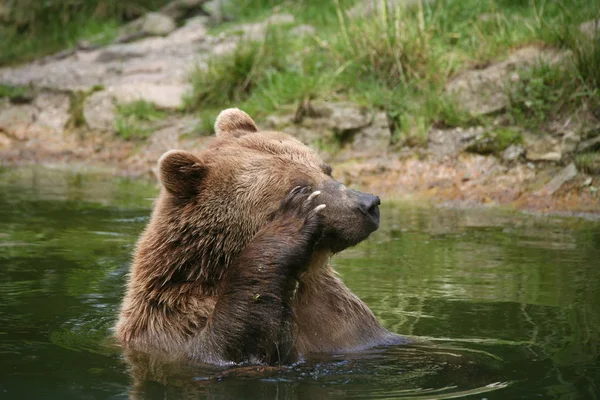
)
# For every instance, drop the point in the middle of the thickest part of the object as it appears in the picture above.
(508, 303)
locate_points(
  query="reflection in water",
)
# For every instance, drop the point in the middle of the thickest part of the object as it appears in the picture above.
(508, 303)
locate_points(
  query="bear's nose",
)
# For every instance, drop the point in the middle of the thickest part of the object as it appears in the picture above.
(368, 204)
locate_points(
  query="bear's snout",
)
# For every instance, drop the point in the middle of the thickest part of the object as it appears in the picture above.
(368, 205)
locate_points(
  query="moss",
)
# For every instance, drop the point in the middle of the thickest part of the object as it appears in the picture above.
(134, 119)
(77, 104)
(496, 141)
(14, 93)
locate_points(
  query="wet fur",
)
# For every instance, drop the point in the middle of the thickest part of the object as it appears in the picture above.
(226, 271)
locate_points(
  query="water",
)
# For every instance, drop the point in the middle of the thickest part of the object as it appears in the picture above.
(509, 303)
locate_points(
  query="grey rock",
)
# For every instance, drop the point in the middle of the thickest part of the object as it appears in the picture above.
(310, 135)
(346, 116)
(450, 142)
(375, 137)
(122, 52)
(481, 92)
(513, 152)
(278, 122)
(180, 9)
(151, 24)
(542, 147)
(44, 119)
(564, 176)
(303, 30)
(590, 144)
(99, 111)
(16, 120)
(53, 111)
(217, 9)
(193, 31)
(99, 108)
(157, 24)
(590, 28)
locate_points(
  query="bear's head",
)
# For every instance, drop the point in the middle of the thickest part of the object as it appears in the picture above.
(220, 198)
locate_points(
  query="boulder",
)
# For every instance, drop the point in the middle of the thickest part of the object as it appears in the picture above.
(182, 9)
(99, 111)
(481, 92)
(450, 142)
(53, 110)
(374, 137)
(157, 24)
(16, 120)
(99, 108)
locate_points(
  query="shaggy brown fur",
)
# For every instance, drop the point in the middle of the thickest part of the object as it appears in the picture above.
(232, 266)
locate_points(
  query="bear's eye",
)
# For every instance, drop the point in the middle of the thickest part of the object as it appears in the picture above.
(326, 169)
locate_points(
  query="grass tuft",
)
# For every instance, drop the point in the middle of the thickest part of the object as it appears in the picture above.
(134, 119)
(588, 163)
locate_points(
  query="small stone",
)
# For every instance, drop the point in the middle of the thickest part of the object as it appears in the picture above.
(157, 24)
(281, 19)
(565, 175)
(303, 30)
(180, 9)
(513, 152)
(590, 28)
(587, 181)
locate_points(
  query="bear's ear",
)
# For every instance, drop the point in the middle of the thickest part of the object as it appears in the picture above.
(181, 172)
(234, 122)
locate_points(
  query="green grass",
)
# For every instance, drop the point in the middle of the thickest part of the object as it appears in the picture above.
(496, 141)
(588, 163)
(36, 28)
(134, 120)
(398, 60)
(11, 92)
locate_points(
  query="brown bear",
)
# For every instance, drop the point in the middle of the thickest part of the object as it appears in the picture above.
(233, 265)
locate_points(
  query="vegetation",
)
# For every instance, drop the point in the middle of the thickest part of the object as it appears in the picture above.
(399, 59)
(11, 92)
(133, 119)
(496, 141)
(34, 28)
(396, 58)
(588, 162)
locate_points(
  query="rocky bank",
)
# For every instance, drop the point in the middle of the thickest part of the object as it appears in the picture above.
(67, 115)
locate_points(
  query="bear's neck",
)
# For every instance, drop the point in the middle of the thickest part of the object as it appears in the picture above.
(178, 250)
